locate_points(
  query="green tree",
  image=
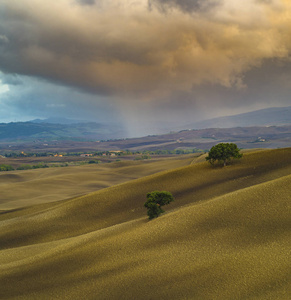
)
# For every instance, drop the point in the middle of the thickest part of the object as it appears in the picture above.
(6, 168)
(223, 152)
(24, 167)
(154, 202)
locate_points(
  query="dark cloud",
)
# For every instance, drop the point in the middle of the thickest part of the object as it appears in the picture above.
(185, 5)
(270, 83)
(86, 2)
(129, 51)
(199, 54)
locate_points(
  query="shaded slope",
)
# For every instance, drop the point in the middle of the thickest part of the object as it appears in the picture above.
(236, 246)
(124, 202)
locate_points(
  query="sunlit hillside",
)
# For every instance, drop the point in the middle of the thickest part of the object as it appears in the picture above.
(226, 236)
(28, 187)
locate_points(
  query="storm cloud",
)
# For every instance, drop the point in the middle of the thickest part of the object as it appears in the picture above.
(146, 51)
(187, 6)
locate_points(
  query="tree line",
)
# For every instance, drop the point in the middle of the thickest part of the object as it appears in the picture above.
(101, 153)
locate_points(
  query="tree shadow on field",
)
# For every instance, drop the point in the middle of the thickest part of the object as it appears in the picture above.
(220, 165)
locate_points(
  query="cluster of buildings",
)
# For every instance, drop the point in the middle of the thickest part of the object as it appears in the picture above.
(107, 153)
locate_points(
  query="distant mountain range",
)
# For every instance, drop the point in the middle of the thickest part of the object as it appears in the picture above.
(66, 129)
(263, 117)
(38, 130)
(54, 120)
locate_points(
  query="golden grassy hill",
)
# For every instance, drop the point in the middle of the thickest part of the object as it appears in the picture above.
(227, 236)
(25, 188)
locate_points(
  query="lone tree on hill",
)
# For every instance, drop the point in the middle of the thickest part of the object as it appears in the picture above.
(223, 152)
(154, 202)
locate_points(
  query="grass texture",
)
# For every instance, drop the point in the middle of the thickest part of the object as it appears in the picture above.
(226, 236)
(26, 188)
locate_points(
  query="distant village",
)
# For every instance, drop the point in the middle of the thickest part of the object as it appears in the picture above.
(113, 153)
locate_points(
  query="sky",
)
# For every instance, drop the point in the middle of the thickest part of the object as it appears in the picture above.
(147, 65)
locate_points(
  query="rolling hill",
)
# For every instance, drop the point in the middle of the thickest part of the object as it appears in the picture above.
(226, 236)
(23, 188)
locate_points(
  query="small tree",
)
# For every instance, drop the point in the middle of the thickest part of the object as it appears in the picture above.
(223, 152)
(154, 202)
